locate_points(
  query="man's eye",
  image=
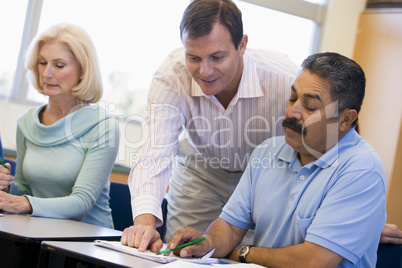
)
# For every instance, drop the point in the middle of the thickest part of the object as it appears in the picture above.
(217, 58)
(292, 100)
(311, 108)
(193, 58)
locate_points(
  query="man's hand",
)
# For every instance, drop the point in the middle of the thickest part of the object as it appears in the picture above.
(142, 234)
(5, 178)
(391, 234)
(188, 235)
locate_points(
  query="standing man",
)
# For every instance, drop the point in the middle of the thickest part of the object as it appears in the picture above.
(315, 197)
(225, 99)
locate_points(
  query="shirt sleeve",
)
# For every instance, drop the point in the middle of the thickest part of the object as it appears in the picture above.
(150, 173)
(20, 186)
(239, 208)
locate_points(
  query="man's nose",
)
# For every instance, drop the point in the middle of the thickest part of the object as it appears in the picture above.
(206, 69)
(295, 110)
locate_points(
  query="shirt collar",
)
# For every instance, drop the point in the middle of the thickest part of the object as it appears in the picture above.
(288, 154)
(332, 155)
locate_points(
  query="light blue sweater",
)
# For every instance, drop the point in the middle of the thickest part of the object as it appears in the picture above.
(64, 169)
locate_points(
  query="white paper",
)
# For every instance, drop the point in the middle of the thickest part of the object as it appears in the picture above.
(181, 264)
(149, 255)
(186, 264)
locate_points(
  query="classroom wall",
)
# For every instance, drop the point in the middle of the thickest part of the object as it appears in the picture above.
(379, 51)
(340, 26)
(10, 111)
(394, 199)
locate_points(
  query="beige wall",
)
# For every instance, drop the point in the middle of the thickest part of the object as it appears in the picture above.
(340, 26)
(379, 51)
(394, 200)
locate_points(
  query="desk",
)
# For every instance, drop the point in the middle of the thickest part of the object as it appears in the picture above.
(86, 254)
(21, 236)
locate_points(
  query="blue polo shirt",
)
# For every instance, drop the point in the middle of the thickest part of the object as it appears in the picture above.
(337, 201)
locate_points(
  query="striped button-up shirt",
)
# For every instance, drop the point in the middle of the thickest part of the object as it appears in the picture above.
(223, 137)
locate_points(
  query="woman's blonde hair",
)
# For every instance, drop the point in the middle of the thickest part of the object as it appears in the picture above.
(79, 43)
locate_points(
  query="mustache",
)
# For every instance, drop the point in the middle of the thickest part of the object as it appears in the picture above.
(293, 124)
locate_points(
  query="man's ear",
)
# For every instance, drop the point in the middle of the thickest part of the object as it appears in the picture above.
(346, 119)
(243, 45)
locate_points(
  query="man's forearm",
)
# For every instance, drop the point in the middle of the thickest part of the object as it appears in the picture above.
(307, 255)
(224, 237)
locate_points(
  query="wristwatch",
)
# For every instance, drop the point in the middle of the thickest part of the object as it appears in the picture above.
(243, 252)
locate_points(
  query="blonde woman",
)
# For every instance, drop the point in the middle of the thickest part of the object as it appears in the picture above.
(66, 148)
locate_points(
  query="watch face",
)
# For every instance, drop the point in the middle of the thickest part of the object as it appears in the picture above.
(243, 250)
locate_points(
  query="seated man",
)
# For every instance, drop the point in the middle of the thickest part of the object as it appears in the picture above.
(315, 197)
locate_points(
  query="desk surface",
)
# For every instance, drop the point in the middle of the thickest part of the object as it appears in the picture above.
(27, 228)
(88, 252)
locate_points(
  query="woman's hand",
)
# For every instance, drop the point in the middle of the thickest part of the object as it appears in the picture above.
(5, 178)
(14, 204)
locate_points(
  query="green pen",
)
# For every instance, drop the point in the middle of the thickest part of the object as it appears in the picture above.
(182, 246)
(2, 162)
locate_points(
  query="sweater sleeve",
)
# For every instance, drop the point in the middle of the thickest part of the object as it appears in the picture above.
(20, 185)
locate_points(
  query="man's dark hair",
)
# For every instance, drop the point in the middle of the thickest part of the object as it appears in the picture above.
(346, 78)
(200, 16)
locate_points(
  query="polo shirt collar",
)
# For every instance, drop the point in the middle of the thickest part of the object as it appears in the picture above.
(289, 155)
(332, 155)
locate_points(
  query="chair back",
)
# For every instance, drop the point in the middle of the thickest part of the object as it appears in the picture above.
(120, 203)
(162, 229)
(6, 160)
(389, 256)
